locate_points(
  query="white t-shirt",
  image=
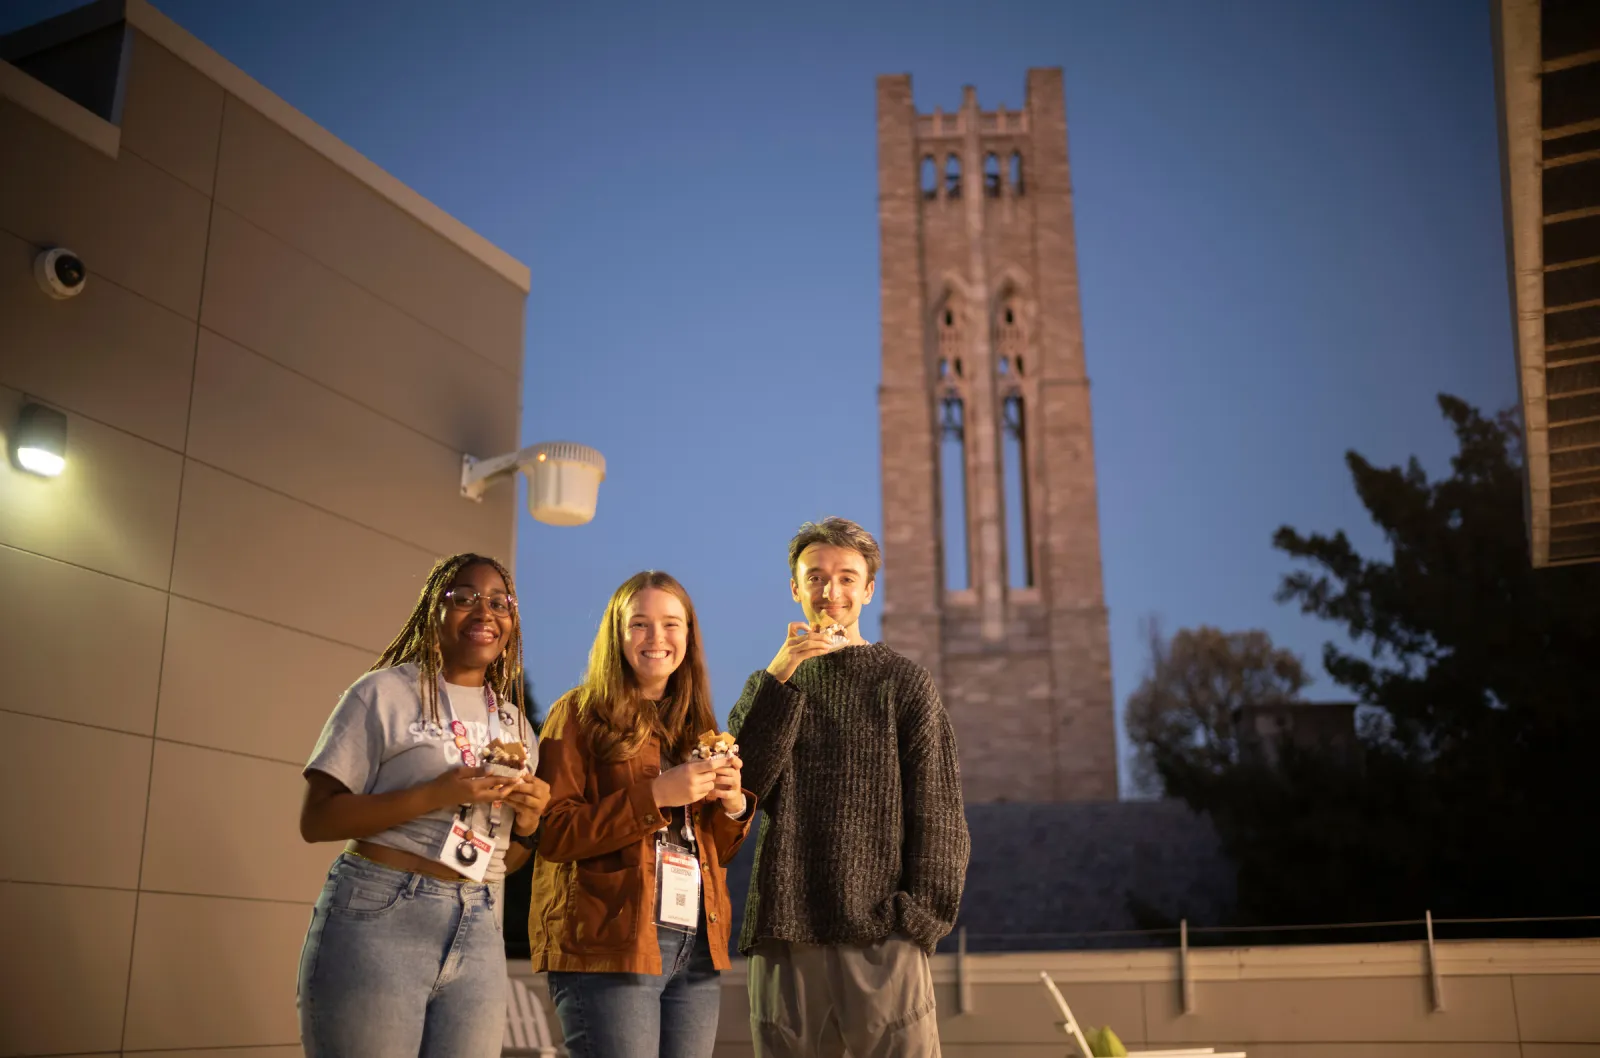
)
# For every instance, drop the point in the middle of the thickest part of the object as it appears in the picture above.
(379, 739)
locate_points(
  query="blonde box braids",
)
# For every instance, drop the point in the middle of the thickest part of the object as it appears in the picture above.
(418, 641)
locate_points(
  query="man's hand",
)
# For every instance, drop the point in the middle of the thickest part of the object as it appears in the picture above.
(805, 641)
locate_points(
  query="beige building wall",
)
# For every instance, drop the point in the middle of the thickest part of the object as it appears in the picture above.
(270, 378)
(1497, 999)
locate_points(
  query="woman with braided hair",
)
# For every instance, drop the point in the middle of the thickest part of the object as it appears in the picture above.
(425, 770)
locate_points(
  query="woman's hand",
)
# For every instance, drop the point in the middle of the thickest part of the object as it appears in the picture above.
(528, 799)
(332, 813)
(462, 785)
(689, 783)
(727, 785)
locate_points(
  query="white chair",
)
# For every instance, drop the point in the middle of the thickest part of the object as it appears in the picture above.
(1069, 1025)
(527, 1032)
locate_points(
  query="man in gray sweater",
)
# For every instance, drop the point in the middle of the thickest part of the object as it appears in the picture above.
(863, 845)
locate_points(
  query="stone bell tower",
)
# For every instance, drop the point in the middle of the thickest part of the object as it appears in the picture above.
(990, 524)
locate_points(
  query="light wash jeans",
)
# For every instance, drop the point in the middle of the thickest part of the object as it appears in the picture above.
(672, 1014)
(398, 964)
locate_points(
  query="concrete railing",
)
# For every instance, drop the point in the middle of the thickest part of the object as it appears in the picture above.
(1495, 999)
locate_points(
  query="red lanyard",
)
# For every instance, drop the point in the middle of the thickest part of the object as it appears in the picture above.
(459, 730)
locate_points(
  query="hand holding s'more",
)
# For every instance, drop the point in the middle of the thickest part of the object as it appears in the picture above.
(509, 759)
(715, 744)
(805, 641)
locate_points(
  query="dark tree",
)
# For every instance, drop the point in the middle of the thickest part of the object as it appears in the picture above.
(1471, 792)
(1184, 719)
(1484, 674)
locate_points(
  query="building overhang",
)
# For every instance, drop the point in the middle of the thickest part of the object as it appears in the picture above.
(100, 129)
(1547, 59)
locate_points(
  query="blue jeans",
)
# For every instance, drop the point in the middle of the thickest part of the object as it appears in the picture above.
(672, 1014)
(399, 964)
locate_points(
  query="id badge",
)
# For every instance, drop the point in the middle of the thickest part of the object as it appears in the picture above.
(677, 888)
(466, 850)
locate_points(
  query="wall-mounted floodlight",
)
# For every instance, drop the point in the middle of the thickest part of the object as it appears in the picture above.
(563, 479)
(39, 442)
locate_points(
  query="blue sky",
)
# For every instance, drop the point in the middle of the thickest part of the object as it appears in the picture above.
(1289, 238)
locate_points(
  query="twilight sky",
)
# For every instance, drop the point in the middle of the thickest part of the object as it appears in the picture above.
(1289, 236)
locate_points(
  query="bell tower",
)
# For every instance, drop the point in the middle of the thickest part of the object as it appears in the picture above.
(990, 523)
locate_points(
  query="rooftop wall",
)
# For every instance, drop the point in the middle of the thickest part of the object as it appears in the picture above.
(270, 378)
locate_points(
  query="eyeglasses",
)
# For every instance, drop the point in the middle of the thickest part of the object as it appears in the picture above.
(500, 604)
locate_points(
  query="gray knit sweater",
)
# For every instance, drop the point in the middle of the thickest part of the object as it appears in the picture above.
(863, 834)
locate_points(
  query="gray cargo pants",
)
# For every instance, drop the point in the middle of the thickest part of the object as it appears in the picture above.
(873, 1001)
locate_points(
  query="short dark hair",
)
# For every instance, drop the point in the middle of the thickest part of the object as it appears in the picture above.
(838, 532)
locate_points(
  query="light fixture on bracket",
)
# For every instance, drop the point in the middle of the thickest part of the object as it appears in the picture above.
(563, 479)
(39, 440)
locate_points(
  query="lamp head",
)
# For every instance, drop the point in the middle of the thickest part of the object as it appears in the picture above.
(39, 441)
(563, 482)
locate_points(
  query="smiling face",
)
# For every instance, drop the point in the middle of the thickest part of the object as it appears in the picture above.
(832, 586)
(477, 618)
(655, 638)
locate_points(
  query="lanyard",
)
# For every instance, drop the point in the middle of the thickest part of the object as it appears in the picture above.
(464, 742)
(459, 730)
(687, 830)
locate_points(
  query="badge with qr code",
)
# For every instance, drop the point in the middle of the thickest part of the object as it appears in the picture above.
(677, 889)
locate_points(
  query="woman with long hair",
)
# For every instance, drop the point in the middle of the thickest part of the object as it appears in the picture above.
(630, 904)
(424, 768)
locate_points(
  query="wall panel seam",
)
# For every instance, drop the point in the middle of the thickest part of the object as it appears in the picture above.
(77, 565)
(417, 545)
(363, 647)
(86, 417)
(172, 568)
(1516, 1016)
(156, 165)
(101, 277)
(67, 885)
(379, 412)
(287, 762)
(307, 904)
(230, 752)
(7, 710)
(430, 552)
(424, 324)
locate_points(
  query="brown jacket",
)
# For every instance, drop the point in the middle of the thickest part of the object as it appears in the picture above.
(593, 907)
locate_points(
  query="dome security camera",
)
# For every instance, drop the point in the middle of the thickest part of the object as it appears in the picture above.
(60, 272)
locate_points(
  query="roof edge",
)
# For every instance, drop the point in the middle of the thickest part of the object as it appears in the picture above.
(1516, 28)
(42, 101)
(144, 17)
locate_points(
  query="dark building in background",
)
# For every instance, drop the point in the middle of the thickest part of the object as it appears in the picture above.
(1057, 876)
(1327, 728)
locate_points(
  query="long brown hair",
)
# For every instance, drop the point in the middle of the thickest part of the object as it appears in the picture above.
(418, 641)
(616, 718)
